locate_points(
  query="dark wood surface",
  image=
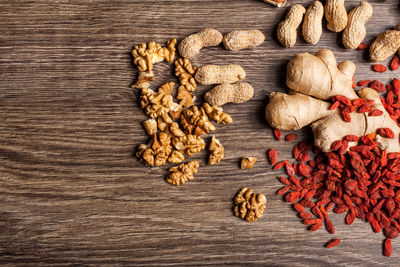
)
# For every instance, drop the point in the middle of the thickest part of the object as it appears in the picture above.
(72, 193)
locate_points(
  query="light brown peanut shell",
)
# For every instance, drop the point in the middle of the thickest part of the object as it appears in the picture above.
(225, 93)
(286, 32)
(213, 74)
(192, 44)
(238, 40)
(355, 31)
(312, 24)
(336, 15)
(384, 46)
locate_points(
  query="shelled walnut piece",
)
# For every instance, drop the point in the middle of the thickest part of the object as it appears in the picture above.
(185, 72)
(155, 104)
(183, 173)
(185, 97)
(248, 162)
(195, 121)
(150, 126)
(216, 114)
(249, 206)
(176, 157)
(145, 55)
(157, 151)
(189, 144)
(166, 124)
(216, 151)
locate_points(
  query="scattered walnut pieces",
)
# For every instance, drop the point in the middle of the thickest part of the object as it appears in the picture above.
(249, 206)
(216, 151)
(150, 126)
(157, 151)
(195, 121)
(176, 157)
(182, 173)
(185, 97)
(155, 104)
(185, 71)
(145, 55)
(216, 113)
(248, 162)
(189, 144)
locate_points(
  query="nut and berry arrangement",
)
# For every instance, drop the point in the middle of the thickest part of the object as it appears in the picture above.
(351, 167)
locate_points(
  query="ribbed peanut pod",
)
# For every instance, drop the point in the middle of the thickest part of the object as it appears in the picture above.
(238, 40)
(213, 74)
(192, 44)
(312, 24)
(355, 31)
(286, 32)
(229, 93)
(385, 45)
(336, 15)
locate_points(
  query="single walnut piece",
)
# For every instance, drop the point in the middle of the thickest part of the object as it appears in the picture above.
(157, 151)
(189, 144)
(155, 104)
(194, 121)
(150, 126)
(185, 71)
(183, 173)
(216, 151)
(185, 97)
(249, 206)
(176, 157)
(175, 110)
(248, 162)
(216, 114)
(166, 124)
(143, 80)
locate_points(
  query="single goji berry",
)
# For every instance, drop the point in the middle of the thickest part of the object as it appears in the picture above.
(387, 247)
(377, 85)
(363, 83)
(332, 243)
(272, 156)
(385, 132)
(277, 134)
(290, 137)
(378, 68)
(394, 64)
(362, 46)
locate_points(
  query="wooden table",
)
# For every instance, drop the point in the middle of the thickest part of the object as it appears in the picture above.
(71, 191)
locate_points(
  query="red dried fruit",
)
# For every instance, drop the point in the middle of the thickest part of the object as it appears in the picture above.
(298, 207)
(312, 221)
(351, 138)
(335, 105)
(375, 112)
(385, 132)
(336, 145)
(394, 64)
(283, 180)
(315, 227)
(280, 164)
(304, 215)
(345, 116)
(362, 46)
(329, 226)
(289, 169)
(363, 82)
(277, 134)
(378, 68)
(377, 85)
(391, 232)
(396, 86)
(290, 137)
(387, 247)
(332, 243)
(272, 156)
(292, 197)
(342, 99)
(282, 190)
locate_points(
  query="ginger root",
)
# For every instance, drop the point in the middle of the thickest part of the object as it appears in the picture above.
(295, 111)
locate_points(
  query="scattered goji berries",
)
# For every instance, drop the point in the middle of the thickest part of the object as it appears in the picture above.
(394, 64)
(362, 183)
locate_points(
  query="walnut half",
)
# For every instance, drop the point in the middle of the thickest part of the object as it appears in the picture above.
(182, 173)
(216, 113)
(249, 206)
(157, 151)
(248, 162)
(195, 121)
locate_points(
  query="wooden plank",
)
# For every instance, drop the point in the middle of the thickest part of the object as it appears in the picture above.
(71, 191)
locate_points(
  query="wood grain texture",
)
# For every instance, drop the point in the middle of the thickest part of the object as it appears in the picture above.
(71, 192)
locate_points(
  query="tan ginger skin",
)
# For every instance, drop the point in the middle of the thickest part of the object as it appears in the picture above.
(355, 31)
(385, 45)
(192, 44)
(309, 74)
(336, 15)
(239, 40)
(286, 32)
(295, 111)
(213, 74)
(312, 24)
(229, 93)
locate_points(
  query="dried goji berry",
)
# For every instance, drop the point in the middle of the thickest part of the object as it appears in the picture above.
(329, 226)
(277, 134)
(298, 207)
(375, 112)
(378, 68)
(315, 227)
(377, 85)
(394, 64)
(387, 247)
(272, 156)
(335, 105)
(363, 83)
(332, 243)
(362, 46)
(292, 197)
(290, 137)
(282, 190)
(385, 132)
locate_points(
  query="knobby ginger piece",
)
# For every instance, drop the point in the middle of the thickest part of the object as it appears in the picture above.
(249, 206)
(216, 151)
(248, 162)
(183, 173)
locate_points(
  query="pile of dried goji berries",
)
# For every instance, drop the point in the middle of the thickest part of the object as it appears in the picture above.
(363, 183)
